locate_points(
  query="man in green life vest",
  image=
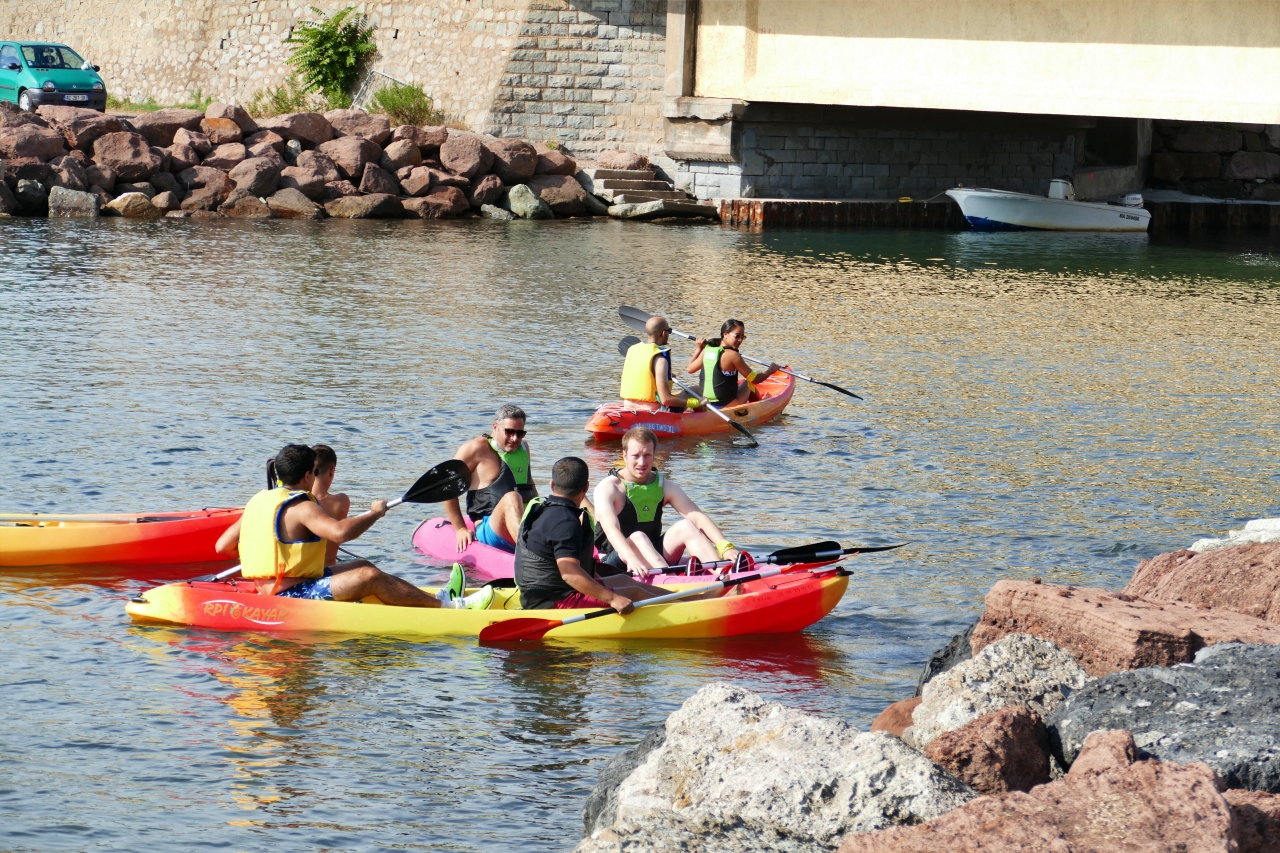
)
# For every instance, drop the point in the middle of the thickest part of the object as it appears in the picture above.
(720, 364)
(629, 504)
(501, 483)
(646, 374)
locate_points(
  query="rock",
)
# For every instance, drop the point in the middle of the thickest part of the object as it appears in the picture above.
(100, 175)
(1257, 819)
(32, 196)
(1255, 142)
(402, 174)
(1107, 633)
(163, 155)
(522, 202)
(79, 127)
(1103, 751)
(514, 160)
(305, 181)
(72, 204)
(25, 168)
(338, 189)
(1265, 192)
(265, 137)
(489, 211)
(182, 157)
(1205, 139)
(128, 154)
(307, 127)
(624, 160)
(485, 190)
(377, 181)
(193, 138)
(8, 201)
(143, 187)
(289, 203)
(1175, 167)
(595, 207)
(257, 176)
(159, 127)
(419, 182)
(896, 717)
(67, 172)
(1017, 670)
(242, 204)
(366, 207)
(1251, 166)
(291, 152)
(442, 178)
(1005, 750)
(440, 203)
(220, 131)
(218, 110)
(562, 193)
(350, 154)
(400, 154)
(554, 162)
(358, 123)
(11, 116)
(264, 151)
(1243, 578)
(226, 157)
(209, 196)
(1221, 709)
(200, 176)
(167, 201)
(601, 808)
(464, 154)
(954, 652)
(1272, 134)
(30, 141)
(166, 182)
(663, 209)
(428, 139)
(135, 206)
(1145, 807)
(320, 164)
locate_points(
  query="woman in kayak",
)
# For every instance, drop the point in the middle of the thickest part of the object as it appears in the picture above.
(720, 363)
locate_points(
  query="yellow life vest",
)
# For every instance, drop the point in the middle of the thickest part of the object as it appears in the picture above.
(637, 372)
(262, 552)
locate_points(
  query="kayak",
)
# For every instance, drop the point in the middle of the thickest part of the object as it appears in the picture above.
(611, 420)
(35, 539)
(773, 605)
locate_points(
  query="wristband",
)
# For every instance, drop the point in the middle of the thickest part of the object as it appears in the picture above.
(723, 547)
(752, 376)
(691, 403)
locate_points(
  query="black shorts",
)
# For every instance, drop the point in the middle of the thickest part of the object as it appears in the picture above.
(610, 564)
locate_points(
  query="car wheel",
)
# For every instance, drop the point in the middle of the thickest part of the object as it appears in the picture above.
(24, 101)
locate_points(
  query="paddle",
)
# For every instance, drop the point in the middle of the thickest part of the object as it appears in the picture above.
(636, 319)
(820, 552)
(631, 340)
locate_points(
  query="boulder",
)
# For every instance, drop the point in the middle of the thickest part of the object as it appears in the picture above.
(1258, 530)
(68, 173)
(441, 178)
(218, 110)
(32, 196)
(956, 651)
(522, 202)
(195, 139)
(182, 157)
(1243, 578)
(486, 190)
(226, 157)
(143, 187)
(1220, 709)
(213, 193)
(11, 116)
(167, 201)
(896, 718)
(221, 131)
(100, 175)
(305, 181)
(1272, 134)
(1175, 167)
(128, 155)
(1017, 670)
(734, 772)
(400, 154)
(292, 150)
(1252, 166)
(440, 203)
(242, 204)
(200, 176)
(514, 160)
(159, 127)
(163, 154)
(264, 151)
(489, 211)
(623, 160)
(428, 139)
(289, 203)
(358, 123)
(266, 137)
(8, 201)
(366, 207)
(1205, 139)
(31, 141)
(377, 181)
(1108, 632)
(25, 168)
(72, 204)
(419, 181)
(1258, 820)
(134, 206)
(338, 189)
(552, 161)
(307, 127)
(1005, 750)
(350, 154)
(79, 126)
(465, 154)
(402, 174)
(166, 182)
(1265, 192)
(320, 164)
(662, 209)
(1142, 807)
(257, 176)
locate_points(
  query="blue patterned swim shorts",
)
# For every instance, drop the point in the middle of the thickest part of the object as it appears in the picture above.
(314, 589)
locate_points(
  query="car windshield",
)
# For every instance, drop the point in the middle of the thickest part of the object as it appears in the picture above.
(51, 56)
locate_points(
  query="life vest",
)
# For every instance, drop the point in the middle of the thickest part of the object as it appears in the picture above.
(718, 385)
(537, 574)
(642, 511)
(638, 382)
(263, 553)
(513, 476)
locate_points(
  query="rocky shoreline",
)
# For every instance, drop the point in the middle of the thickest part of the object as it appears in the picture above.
(1063, 718)
(349, 164)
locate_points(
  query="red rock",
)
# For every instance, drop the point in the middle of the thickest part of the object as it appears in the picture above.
(442, 178)
(360, 124)
(226, 157)
(11, 116)
(320, 164)
(100, 175)
(400, 154)
(257, 175)
(514, 160)
(1243, 578)
(366, 207)
(166, 201)
(200, 176)
(1103, 752)
(237, 114)
(486, 190)
(163, 154)
(418, 183)
(211, 195)
(242, 204)
(31, 141)
(562, 193)
(309, 183)
(128, 154)
(440, 203)
(67, 172)
(79, 126)
(896, 718)
(622, 160)
(403, 173)
(289, 203)
(350, 154)
(268, 137)
(1252, 165)
(1258, 819)
(428, 139)
(263, 150)
(220, 130)
(193, 138)
(308, 127)
(182, 157)
(159, 127)
(378, 181)
(1006, 750)
(338, 189)
(554, 162)
(465, 154)
(81, 157)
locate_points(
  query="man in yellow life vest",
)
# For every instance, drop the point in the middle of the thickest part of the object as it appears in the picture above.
(501, 483)
(282, 536)
(646, 374)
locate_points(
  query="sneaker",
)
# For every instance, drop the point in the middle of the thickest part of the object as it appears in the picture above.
(457, 585)
(480, 600)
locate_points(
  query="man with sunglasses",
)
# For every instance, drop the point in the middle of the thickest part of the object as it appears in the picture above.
(646, 374)
(501, 483)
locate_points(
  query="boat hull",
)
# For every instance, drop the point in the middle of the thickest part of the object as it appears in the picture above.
(611, 420)
(165, 537)
(998, 210)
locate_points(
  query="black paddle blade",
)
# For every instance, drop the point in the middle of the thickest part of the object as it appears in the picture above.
(745, 432)
(841, 390)
(815, 553)
(446, 480)
(634, 317)
(627, 343)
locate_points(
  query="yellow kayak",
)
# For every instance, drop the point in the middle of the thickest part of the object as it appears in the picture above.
(35, 539)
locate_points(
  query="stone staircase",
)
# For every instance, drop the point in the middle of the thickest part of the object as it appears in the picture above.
(629, 186)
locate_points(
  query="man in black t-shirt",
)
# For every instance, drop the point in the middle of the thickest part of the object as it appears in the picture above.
(555, 544)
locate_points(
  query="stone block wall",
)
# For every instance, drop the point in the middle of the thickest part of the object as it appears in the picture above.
(1240, 161)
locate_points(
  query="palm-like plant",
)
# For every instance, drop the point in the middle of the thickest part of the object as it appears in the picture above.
(329, 53)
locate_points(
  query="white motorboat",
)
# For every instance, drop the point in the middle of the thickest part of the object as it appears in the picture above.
(1000, 210)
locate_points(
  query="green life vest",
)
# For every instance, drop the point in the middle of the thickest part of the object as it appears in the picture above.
(642, 511)
(718, 386)
(513, 476)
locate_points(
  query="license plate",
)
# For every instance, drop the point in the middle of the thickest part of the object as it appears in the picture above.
(75, 97)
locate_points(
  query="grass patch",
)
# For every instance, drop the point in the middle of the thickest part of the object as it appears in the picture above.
(405, 104)
(147, 106)
(289, 97)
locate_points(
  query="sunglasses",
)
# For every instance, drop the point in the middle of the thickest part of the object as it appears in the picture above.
(518, 433)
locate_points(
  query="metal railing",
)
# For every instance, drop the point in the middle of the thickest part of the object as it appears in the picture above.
(374, 81)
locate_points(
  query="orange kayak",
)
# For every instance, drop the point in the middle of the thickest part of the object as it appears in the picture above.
(613, 419)
(66, 540)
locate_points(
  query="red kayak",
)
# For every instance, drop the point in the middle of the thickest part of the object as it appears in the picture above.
(37, 539)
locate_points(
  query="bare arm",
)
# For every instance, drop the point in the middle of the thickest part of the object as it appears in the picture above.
(662, 375)
(738, 363)
(695, 362)
(684, 505)
(313, 517)
(229, 541)
(606, 514)
(573, 574)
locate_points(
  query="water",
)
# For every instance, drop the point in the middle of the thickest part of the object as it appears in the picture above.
(1043, 405)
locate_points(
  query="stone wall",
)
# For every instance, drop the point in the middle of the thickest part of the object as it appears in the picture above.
(1240, 161)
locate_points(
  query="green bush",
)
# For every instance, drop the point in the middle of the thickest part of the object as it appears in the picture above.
(405, 104)
(330, 52)
(290, 97)
(198, 101)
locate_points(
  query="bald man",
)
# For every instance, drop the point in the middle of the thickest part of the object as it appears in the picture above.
(646, 375)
